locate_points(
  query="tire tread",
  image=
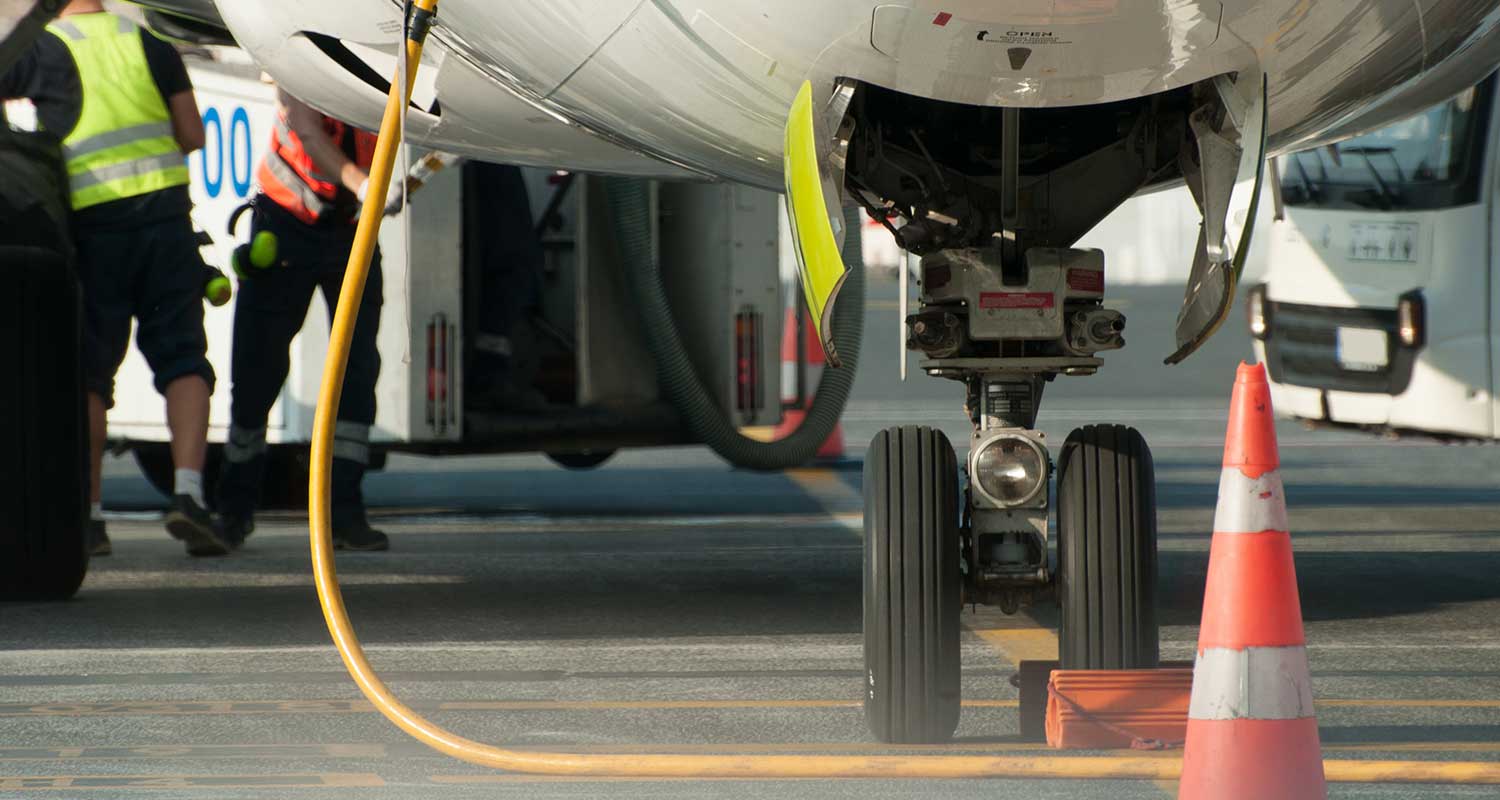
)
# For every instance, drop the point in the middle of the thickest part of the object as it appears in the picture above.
(911, 603)
(1107, 550)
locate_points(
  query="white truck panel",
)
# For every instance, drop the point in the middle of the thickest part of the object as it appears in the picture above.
(238, 111)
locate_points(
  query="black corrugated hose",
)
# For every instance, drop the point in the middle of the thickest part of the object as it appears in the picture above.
(629, 209)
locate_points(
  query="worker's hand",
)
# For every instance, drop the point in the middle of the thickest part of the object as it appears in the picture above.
(394, 199)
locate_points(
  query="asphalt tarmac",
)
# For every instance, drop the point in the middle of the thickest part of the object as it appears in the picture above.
(667, 603)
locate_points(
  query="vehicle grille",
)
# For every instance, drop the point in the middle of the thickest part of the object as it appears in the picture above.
(1302, 348)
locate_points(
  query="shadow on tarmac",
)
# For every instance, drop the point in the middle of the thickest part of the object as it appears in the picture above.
(467, 587)
(1349, 585)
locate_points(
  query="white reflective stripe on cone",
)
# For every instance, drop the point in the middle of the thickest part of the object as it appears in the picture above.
(788, 380)
(1254, 683)
(1250, 505)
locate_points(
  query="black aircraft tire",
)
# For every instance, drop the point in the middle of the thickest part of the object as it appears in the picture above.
(912, 587)
(1106, 550)
(44, 459)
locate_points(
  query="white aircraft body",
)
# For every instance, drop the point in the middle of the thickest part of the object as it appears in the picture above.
(989, 135)
(668, 87)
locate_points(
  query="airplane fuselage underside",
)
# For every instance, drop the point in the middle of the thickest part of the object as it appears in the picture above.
(704, 87)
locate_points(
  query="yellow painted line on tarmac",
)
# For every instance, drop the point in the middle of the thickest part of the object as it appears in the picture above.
(519, 778)
(823, 484)
(176, 708)
(311, 780)
(649, 705)
(1021, 644)
(760, 433)
(1405, 703)
(742, 748)
(1018, 644)
(641, 705)
(195, 751)
(292, 707)
(1415, 747)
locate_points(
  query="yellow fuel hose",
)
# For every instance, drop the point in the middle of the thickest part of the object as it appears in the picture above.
(669, 765)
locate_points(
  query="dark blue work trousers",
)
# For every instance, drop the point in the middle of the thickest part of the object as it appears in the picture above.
(268, 313)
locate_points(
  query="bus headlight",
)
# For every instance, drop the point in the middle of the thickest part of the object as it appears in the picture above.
(1255, 311)
(1411, 319)
(1010, 469)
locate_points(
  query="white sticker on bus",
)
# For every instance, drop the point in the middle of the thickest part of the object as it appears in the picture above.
(1383, 241)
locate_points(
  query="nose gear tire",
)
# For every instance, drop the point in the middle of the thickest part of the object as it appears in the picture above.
(912, 586)
(1106, 550)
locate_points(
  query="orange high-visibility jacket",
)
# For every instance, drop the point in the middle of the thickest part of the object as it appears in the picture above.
(288, 177)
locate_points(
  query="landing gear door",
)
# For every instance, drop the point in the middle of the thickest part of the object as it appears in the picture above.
(815, 217)
(1212, 179)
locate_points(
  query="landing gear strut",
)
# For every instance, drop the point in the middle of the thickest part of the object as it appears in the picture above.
(1006, 306)
(1004, 330)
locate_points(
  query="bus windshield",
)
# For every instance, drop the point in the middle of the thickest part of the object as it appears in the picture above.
(1428, 161)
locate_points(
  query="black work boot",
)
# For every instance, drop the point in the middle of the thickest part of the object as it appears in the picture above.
(194, 526)
(98, 540)
(358, 535)
(234, 530)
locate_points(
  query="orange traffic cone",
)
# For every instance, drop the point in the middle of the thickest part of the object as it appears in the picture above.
(792, 414)
(1251, 730)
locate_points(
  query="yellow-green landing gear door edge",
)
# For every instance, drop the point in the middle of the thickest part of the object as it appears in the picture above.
(812, 218)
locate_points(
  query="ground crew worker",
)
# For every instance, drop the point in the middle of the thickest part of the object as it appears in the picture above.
(121, 100)
(312, 180)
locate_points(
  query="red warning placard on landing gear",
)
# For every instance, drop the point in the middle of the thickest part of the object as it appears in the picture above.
(1016, 300)
(1086, 280)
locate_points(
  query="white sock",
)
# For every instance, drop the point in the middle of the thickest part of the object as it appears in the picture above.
(190, 483)
(96, 510)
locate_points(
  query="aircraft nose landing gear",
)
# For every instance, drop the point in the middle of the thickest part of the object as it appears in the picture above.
(934, 544)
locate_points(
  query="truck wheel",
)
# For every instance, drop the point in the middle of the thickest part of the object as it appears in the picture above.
(586, 459)
(1106, 550)
(911, 586)
(43, 426)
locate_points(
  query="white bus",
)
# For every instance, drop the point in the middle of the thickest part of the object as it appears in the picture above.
(1377, 305)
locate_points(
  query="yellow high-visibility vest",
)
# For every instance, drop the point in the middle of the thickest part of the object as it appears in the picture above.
(122, 145)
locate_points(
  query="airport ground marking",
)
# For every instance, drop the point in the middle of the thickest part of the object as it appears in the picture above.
(256, 707)
(194, 752)
(382, 751)
(299, 707)
(825, 486)
(1021, 644)
(309, 780)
